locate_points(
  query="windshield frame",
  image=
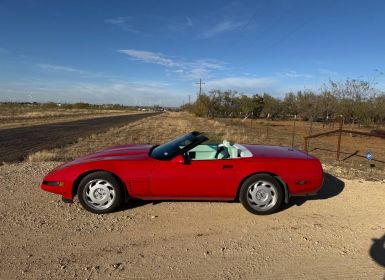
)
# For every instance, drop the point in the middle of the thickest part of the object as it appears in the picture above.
(173, 148)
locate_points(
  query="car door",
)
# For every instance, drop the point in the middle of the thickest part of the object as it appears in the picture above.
(196, 179)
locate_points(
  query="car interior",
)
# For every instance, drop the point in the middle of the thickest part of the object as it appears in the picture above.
(225, 150)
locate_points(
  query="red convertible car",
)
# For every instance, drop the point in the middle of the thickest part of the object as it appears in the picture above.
(261, 177)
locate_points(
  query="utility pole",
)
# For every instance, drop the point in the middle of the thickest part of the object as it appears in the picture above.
(200, 86)
(189, 100)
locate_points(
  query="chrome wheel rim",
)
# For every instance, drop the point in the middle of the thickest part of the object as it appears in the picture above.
(99, 194)
(262, 195)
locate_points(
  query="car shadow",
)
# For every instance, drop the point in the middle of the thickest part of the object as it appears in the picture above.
(377, 250)
(135, 203)
(331, 187)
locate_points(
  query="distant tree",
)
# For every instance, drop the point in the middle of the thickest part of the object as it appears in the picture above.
(308, 105)
(350, 94)
(356, 100)
(201, 106)
(290, 104)
(272, 106)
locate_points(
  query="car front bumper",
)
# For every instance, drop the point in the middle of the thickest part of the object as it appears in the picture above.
(58, 187)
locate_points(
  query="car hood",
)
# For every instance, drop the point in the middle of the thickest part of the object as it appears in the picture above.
(265, 151)
(124, 152)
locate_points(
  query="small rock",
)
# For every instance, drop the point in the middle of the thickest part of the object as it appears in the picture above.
(118, 266)
(153, 217)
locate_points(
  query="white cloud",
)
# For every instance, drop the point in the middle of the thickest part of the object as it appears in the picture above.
(149, 57)
(243, 83)
(294, 74)
(272, 85)
(189, 21)
(187, 69)
(222, 27)
(68, 69)
(327, 72)
(120, 92)
(116, 21)
(61, 68)
(124, 23)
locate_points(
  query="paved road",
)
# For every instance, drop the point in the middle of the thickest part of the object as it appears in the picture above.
(17, 143)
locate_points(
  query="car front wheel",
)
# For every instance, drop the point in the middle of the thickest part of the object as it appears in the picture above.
(100, 193)
(261, 194)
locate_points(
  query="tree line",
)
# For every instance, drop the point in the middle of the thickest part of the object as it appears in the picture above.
(356, 100)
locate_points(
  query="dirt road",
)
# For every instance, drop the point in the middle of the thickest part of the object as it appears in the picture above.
(16, 143)
(326, 237)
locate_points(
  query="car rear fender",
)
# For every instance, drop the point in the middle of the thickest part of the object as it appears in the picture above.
(280, 180)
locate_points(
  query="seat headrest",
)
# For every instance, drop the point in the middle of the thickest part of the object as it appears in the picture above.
(226, 143)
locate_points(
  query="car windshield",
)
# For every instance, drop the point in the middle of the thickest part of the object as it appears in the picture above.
(171, 149)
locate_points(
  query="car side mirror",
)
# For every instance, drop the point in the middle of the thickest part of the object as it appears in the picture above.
(178, 159)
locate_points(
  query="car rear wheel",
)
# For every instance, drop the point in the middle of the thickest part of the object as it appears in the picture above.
(261, 194)
(100, 193)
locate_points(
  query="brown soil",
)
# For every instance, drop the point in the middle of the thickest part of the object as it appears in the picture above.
(16, 143)
(325, 237)
(12, 119)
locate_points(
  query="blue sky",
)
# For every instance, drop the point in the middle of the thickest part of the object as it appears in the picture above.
(153, 52)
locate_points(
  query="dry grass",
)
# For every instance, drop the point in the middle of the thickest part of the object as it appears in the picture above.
(44, 155)
(152, 130)
(11, 119)
(162, 128)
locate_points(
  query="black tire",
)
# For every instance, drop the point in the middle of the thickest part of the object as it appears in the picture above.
(110, 189)
(270, 190)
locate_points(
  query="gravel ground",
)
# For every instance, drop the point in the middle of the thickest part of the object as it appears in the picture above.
(329, 236)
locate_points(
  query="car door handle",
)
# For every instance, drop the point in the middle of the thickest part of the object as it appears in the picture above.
(227, 166)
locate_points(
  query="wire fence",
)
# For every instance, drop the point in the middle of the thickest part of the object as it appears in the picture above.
(349, 145)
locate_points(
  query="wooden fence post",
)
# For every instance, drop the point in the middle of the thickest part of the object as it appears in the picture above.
(293, 133)
(339, 137)
(306, 143)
